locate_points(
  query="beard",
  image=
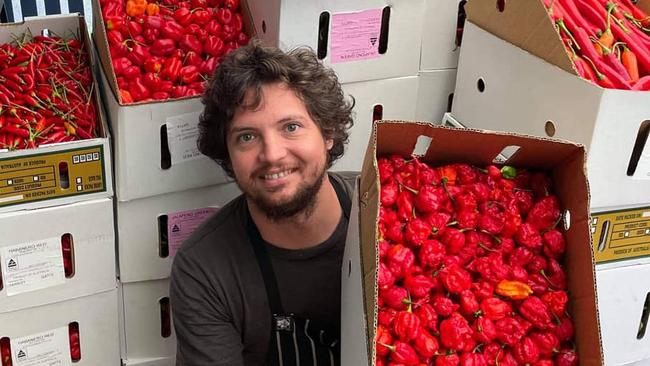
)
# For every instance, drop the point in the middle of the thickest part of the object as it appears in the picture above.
(302, 202)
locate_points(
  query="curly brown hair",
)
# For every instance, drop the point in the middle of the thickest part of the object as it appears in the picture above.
(254, 65)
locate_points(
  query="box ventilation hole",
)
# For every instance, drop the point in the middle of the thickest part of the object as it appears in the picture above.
(480, 85)
(549, 128)
(75, 341)
(450, 102)
(460, 22)
(643, 325)
(383, 35)
(67, 248)
(165, 154)
(64, 176)
(501, 5)
(566, 220)
(604, 233)
(639, 145)
(163, 236)
(506, 154)
(377, 112)
(323, 34)
(165, 318)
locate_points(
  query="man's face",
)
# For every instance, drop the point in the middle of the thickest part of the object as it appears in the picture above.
(278, 153)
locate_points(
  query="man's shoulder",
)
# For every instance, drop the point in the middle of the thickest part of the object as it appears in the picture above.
(347, 180)
(217, 230)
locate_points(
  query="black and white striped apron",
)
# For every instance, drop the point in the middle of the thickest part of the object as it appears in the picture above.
(17, 10)
(294, 341)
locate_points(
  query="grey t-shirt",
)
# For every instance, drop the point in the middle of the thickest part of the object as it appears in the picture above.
(219, 302)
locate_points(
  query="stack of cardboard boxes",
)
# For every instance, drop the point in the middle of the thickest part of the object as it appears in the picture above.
(58, 294)
(514, 75)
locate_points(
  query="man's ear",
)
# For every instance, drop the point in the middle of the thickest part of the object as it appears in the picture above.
(329, 144)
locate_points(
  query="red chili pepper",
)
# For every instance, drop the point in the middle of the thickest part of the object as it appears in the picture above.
(385, 277)
(171, 69)
(224, 16)
(183, 16)
(131, 72)
(547, 342)
(200, 17)
(214, 28)
(163, 47)
(425, 344)
(153, 21)
(189, 42)
(428, 317)
(484, 330)
(526, 352)
(400, 259)
(382, 337)
(431, 253)
(495, 308)
(509, 331)
(138, 90)
(554, 244)
(213, 46)
(566, 357)
(443, 305)
(447, 360)
(536, 311)
(406, 325)
(139, 54)
(419, 285)
(208, 66)
(455, 279)
(455, 333)
(395, 297)
(403, 353)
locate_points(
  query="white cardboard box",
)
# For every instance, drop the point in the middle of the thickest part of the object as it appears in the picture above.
(98, 326)
(141, 321)
(91, 225)
(623, 293)
(525, 94)
(138, 146)
(439, 49)
(158, 361)
(141, 257)
(435, 94)
(31, 178)
(397, 98)
(292, 23)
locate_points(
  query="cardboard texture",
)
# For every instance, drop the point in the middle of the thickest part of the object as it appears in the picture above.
(563, 160)
(397, 98)
(435, 93)
(141, 327)
(34, 173)
(139, 168)
(542, 98)
(138, 231)
(439, 49)
(621, 305)
(91, 225)
(353, 327)
(97, 318)
(293, 23)
(525, 24)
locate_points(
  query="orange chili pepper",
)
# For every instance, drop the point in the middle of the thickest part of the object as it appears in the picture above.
(628, 58)
(513, 289)
(70, 128)
(125, 96)
(152, 9)
(136, 7)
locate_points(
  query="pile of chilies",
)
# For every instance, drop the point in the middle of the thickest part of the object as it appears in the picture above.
(46, 89)
(607, 40)
(163, 49)
(470, 268)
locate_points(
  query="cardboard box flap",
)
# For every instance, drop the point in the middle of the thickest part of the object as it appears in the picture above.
(644, 5)
(524, 23)
(537, 152)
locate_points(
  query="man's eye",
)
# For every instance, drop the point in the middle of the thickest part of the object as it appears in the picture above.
(292, 127)
(246, 137)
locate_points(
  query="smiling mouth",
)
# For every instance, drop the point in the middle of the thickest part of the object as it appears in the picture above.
(277, 175)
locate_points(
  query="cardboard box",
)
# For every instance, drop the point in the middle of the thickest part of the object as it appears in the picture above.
(150, 229)
(141, 324)
(62, 173)
(169, 161)
(626, 335)
(439, 32)
(347, 35)
(566, 164)
(514, 75)
(34, 238)
(435, 94)
(394, 98)
(96, 316)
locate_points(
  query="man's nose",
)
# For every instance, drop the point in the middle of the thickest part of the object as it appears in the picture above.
(273, 149)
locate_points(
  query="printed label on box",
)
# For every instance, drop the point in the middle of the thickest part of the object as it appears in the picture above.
(182, 133)
(619, 235)
(32, 266)
(355, 36)
(34, 177)
(47, 348)
(181, 225)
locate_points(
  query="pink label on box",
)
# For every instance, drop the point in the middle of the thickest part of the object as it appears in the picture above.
(355, 36)
(180, 225)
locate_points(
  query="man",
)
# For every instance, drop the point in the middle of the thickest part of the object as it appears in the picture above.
(259, 283)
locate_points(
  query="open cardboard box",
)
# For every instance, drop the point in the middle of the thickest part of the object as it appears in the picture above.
(515, 75)
(565, 163)
(155, 142)
(32, 178)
